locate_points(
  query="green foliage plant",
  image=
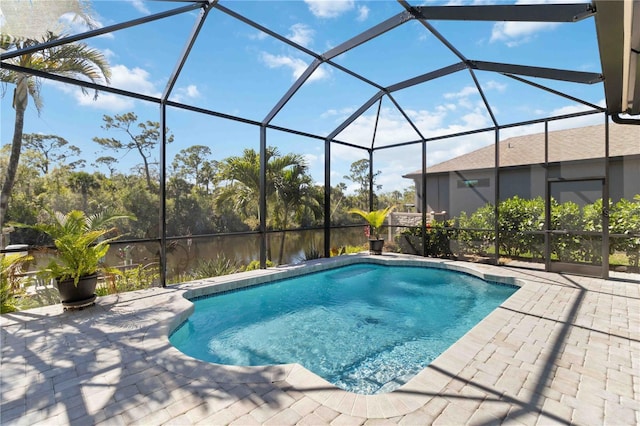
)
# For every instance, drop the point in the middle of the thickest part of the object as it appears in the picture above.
(518, 220)
(138, 278)
(10, 276)
(590, 248)
(438, 238)
(625, 220)
(476, 234)
(312, 252)
(255, 264)
(339, 251)
(81, 243)
(76, 60)
(566, 216)
(374, 218)
(221, 265)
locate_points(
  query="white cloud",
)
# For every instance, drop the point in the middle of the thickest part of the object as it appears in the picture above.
(108, 53)
(310, 158)
(315, 162)
(392, 128)
(569, 123)
(517, 33)
(258, 36)
(465, 92)
(429, 120)
(182, 93)
(476, 119)
(134, 80)
(363, 13)
(192, 91)
(296, 65)
(343, 113)
(301, 34)
(104, 101)
(494, 85)
(73, 23)
(581, 121)
(139, 6)
(465, 103)
(329, 8)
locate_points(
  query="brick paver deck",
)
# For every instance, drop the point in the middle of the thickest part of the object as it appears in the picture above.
(562, 350)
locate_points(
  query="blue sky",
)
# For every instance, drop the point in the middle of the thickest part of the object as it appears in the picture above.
(235, 69)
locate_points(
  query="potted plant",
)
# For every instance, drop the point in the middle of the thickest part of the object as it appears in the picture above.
(375, 219)
(81, 243)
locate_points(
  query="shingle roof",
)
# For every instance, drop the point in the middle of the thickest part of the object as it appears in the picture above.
(564, 145)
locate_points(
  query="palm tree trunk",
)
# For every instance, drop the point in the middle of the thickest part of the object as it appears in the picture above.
(20, 104)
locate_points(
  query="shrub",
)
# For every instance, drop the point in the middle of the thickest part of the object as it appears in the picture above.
(476, 235)
(625, 219)
(221, 265)
(311, 253)
(518, 219)
(437, 238)
(339, 251)
(10, 279)
(255, 264)
(566, 216)
(138, 278)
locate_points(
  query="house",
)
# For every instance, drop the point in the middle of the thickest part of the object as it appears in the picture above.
(575, 170)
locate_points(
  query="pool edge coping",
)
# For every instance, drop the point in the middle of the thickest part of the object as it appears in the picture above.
(421, 388)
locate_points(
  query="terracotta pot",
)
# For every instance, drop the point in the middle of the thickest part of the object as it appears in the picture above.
(85, 290)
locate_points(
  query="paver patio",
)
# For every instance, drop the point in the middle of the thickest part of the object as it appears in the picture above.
(564, 349)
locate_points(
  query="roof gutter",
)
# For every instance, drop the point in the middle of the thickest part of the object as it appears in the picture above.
(619, 120)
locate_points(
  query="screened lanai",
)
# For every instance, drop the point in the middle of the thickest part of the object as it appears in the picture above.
(204, 100)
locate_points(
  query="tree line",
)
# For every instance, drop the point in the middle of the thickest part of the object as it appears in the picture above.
(203, 195)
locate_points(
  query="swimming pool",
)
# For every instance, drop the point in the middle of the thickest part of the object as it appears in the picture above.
(366, 328)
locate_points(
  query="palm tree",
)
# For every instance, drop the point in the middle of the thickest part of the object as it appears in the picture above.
(287, 186)
(375, 218)
(293, 191)
(71, 60)
(84, 183)
(242, 175)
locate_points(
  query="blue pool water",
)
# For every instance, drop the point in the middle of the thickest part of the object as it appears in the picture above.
(365, 328)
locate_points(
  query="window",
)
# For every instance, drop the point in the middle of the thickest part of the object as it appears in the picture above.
(472, 183)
